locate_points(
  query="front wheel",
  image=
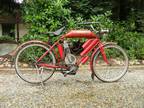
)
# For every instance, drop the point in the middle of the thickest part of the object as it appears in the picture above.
(26, 63)
(115, 67)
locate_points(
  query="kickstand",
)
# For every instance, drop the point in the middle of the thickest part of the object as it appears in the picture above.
(42, 85)
(40, 76)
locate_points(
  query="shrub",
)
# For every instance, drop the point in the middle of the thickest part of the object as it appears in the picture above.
(48, 15)
(45, 15)
(6, 38)
(132, 42)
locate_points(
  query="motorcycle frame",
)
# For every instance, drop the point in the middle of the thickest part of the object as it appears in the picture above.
(84, 58)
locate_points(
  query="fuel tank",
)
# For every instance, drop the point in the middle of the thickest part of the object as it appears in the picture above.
(80, 34)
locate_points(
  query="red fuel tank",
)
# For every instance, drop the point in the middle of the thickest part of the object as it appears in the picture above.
(80, 34)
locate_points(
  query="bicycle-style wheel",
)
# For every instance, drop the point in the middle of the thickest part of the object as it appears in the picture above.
(26, 63)
(115, 68)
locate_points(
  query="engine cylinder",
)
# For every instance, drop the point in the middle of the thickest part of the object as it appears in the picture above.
(89, 47)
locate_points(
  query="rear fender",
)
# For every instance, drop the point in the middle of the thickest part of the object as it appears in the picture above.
(24, 44)
(41, 42)
(30, 42)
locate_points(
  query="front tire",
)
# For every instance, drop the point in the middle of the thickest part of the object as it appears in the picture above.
(116, 67)
(25, 63)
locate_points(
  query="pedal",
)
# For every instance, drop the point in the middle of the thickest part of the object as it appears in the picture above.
(71, 73)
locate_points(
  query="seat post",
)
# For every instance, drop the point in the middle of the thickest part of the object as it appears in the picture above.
(49, 41)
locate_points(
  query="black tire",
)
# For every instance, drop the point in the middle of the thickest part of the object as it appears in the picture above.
(25, 63)
(117, 67)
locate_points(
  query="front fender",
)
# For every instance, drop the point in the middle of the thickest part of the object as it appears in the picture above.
(100, 45)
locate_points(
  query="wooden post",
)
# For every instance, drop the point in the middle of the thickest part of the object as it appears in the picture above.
(17, 29)
(0, 30)
(17, 25)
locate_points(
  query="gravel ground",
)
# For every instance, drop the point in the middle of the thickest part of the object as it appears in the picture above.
(77, 91)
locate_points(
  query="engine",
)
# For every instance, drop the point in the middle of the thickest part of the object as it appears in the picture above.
(69, 58)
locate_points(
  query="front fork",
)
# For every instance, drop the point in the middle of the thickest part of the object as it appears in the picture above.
(102, 51)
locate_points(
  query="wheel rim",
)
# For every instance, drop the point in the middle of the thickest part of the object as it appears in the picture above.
(117, 67)
(25, 63)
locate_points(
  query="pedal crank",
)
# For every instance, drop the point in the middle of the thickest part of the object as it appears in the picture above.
(71, 71)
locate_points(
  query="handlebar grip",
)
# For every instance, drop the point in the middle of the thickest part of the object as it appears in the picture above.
(104, 31)
(88, 23)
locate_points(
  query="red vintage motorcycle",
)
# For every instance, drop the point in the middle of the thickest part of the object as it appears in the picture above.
(37, 61)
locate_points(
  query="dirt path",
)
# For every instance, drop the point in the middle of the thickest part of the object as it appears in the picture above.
(77, 91)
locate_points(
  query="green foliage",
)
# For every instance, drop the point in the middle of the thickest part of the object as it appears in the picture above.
(6, 38)
(140, 21)
(28, 37)
(45, 15)
(132, 42)
(48, 15)
(123, 34)
(103, 20)
(86, 8)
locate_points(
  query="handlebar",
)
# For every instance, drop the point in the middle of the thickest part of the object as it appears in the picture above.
(88, 23)
(102, 31)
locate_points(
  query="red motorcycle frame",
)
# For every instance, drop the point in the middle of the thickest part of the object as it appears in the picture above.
(88, 46)
(92, 47)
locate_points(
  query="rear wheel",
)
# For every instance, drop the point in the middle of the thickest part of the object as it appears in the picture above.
(26, 63)
(116, 67)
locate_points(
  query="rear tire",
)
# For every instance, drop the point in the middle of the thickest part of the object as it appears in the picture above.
(117, 67)
(25, 63)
